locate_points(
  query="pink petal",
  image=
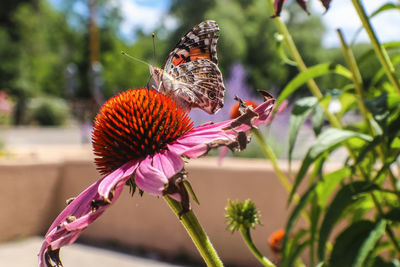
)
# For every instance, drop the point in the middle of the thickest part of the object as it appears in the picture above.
(196, 142)
(168, 162)
(150, 179)
(120, 175)
(222, 154)
(84, 210)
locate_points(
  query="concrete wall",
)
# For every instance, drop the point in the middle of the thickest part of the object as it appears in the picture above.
(33, 193)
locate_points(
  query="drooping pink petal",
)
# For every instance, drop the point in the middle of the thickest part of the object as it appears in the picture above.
(150, 179)
(83, 211)
(168, 162)
(197, 142)
(120, 175)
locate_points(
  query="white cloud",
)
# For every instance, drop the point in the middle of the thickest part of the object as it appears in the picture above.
(343, 15)
(138, 14)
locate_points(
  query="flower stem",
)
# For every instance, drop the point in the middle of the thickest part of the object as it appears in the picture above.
(383, 57)
(379, 49)
(196, 232)
(247, 238)
(271, 155)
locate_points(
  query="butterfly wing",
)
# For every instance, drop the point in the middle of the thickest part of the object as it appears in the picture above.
(196, 84)
(199, 43)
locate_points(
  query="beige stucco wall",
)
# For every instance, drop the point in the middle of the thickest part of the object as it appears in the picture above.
(34, 192)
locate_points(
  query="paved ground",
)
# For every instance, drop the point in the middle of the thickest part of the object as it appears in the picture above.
(24, 254)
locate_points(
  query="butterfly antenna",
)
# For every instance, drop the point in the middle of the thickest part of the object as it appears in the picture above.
(136, 59)
(153, 35)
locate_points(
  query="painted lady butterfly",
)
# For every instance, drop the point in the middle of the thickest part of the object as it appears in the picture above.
(191, 75)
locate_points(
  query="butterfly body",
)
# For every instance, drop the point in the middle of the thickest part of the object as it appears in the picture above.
(191, 75)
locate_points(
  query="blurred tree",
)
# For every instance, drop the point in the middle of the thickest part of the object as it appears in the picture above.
(247, 36)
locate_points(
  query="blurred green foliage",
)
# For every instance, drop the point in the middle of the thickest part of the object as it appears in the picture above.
(39, 41)
(47, 111)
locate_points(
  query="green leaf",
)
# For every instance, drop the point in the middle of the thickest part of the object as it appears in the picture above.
(294, 246)
(293, 218)
(300, 111)
(311, 73)
(368, 245)
(325, 141)
(191, 192)
(381, 72)
(354, 244)
(329, 182)
(317, 119)
(384, 7)
(344, 198)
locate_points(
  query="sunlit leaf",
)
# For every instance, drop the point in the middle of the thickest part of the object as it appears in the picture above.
(317, 119)
(344, 198)
(311, 73)
(329, 183)
(294, 216)
(325, 141)
(300, 112)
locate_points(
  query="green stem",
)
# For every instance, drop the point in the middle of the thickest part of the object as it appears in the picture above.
(247, 238)
(291, 46)
(379, 49)
(382, 55)
(358, 84)
(196, 232)
(271, 155)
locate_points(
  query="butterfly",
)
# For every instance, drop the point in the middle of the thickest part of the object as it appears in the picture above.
(190, 74)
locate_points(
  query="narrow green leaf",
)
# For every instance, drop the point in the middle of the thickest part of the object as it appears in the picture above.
(294, 216)
(317, 119)
(371, 52)
(324, 142)
(297, 250)
(349, 242)
(300, 112)
(384, 7)
(381, 72)
(189, 188)
(368, 245)
(292, 247)
(329, 182)
(310, 73)
(344, 198)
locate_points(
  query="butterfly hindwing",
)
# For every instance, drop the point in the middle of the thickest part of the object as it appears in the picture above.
(199, 83)
(191, 75)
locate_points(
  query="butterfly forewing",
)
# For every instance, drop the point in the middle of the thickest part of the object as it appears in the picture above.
(198, 43)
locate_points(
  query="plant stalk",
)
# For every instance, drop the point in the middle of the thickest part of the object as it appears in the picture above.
(261, 258)
(379, 49)
(271, 155)
(382, 55)
(196, 232)
(358, 84)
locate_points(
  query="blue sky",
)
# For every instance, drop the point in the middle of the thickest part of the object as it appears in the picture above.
(148, 14)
